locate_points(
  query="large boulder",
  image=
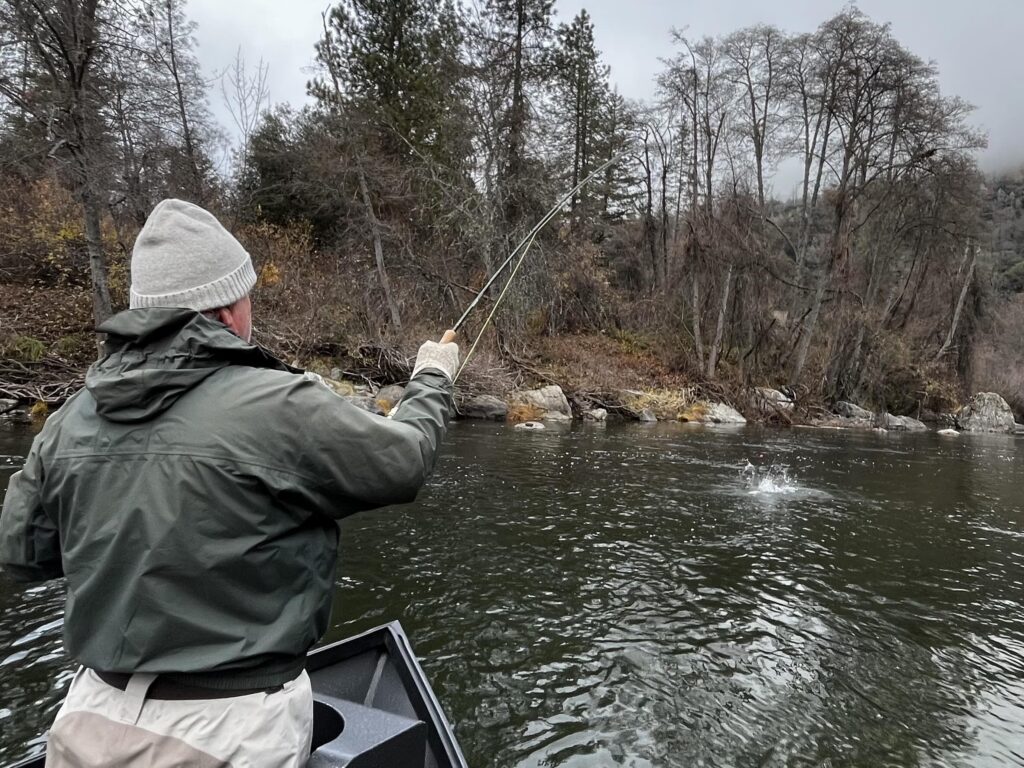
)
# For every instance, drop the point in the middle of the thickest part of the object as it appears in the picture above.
(712, 413)
(484, 407)
(913, 425)
(850, 411)
(986, 412)
(550, 401)
(720, 413)
(771, 401)
(388, 397)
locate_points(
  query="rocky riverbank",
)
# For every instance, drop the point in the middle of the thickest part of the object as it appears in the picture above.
(985, 412)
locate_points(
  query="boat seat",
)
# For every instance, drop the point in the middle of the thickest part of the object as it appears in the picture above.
(362, 737)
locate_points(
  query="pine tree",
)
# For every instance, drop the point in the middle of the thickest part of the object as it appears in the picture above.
(582, 89)
(397, 65)
(515, 39)
(614, 130)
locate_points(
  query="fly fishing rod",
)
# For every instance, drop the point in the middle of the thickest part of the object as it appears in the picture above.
(521, 251)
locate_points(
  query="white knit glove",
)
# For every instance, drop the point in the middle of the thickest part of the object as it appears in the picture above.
(443, 357)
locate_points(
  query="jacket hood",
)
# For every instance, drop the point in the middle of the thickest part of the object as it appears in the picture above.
(156, 355)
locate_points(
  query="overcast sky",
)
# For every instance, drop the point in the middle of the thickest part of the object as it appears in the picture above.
(976, 43)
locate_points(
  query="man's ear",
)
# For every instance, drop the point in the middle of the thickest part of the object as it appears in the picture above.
(223, 315)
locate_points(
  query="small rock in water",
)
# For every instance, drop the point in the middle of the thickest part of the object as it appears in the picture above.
(949, 432)
(647, 416)
(530, 425)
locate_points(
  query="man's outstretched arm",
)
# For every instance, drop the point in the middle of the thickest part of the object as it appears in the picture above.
(29, 539)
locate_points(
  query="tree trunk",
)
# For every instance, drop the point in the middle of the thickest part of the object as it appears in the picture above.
(716, 345)
(650, 236)
(824, 278)
(805, 228)
(577, 152)
(810, 321)
(378, 251)
(848, 370)
(968, 279)
(186, 127)
(101, 305)
(664, 220)
(517, 127)
(697, 340)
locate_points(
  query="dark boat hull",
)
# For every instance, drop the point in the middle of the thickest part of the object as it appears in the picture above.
(372, 707)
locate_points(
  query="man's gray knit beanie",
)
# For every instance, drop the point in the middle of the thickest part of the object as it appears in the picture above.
(183, 257)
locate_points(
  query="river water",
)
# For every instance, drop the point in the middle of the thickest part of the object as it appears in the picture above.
(675, 596)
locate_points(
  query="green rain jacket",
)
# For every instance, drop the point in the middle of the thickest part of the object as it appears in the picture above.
(190, 495)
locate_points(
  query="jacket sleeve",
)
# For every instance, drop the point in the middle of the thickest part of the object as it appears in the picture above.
(366, 461)
(29, 539)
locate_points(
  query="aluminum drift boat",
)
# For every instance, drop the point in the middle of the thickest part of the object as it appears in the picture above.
(372, 707)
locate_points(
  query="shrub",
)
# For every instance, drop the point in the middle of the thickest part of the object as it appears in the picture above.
(24, 349)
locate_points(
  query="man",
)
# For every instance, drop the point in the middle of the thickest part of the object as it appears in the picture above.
(190, 495)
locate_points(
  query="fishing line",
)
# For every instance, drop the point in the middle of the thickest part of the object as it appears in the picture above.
(494, 309)
(522, 250)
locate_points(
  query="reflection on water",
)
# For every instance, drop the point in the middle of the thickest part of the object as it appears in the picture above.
(635, 597)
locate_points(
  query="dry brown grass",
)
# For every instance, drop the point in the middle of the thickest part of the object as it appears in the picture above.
(521, 412)
(599, 362)
(695, 412)
(666, 404)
